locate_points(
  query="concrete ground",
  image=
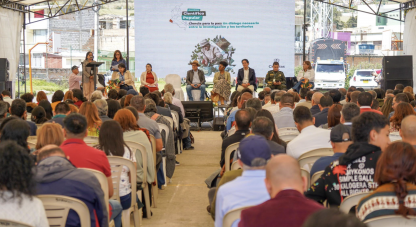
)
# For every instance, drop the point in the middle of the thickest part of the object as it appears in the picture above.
(183, 203)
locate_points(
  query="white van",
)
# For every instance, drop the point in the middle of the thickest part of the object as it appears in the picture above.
(364, 78)
(329, 74)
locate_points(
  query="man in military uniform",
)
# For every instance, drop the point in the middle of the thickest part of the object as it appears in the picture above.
(275, 79)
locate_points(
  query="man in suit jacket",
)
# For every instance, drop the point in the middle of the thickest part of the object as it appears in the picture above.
(321, 118)
(287, 206)
(365, 100)
(246, 77)
(195, 80)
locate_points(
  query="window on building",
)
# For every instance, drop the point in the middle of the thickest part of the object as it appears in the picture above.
(123, 24)
(381, 21)
(40, 35)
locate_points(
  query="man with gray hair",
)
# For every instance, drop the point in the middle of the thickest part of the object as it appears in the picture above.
(249, 189)
(348, 112)
(3, 111)
(316, 100)
(254, 103)
(284, 118)
(102, 107)
(168, 98)
(169, 88)
(96, 95)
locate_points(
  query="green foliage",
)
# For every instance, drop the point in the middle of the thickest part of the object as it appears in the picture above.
(351, 23)
(298, 69)
(337, 18)
(362, 65)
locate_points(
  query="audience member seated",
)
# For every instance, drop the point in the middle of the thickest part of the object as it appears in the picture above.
(348, 112)
(380, 96)
(89, 110)
(3, 111)
(275, 98)
(261, 97)
(306, 98)
(49, 133)
(370, 135)
(127, 99)
(235, 96)
(396, 177)
(399, 98)
(5, 94)
(334, 116)
(275, 138)
(409, 96)
(169, 88)
(112, 143)
(402, 110)
(169, 145)
(138, 102)
(96, 95)
(354, 96)
(408, 130)
(102, 108)
(387, 108)
(15, 129)
(287, 206)
(321, 118)
(68, 96)
(57, 97)
(332, 218)
(241, 101)
(160, 110)
(61, 111)
(242, 126)
(316, 100)
(264, 126)
(18, 109)
(267, 99)
(112, 95)
(79, 97)
(40, 95)
(38, 115)
(335, 95)
(284, 118)
(399, 87)
(30, 105)
(168, 98)
(340, 140)
(375, 105)
(249, 189)
(56, 175)
(17, 187)
(310, 137)
(113, 107)
(47, 107)
(365, 100)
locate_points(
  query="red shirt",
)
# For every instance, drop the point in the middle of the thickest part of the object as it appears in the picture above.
(363, 110)
(84, 156)
(78, 103)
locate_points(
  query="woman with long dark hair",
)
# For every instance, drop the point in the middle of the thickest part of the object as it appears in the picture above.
(113, 107)
(149, 79)
(88, 75)
(17, 187)
(78, 97)
(57, 97)
(266, 113)
(395, 175)
(47, 107)
(38, 115)
(17, 130)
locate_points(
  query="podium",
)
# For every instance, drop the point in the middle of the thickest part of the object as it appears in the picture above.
(94, 66)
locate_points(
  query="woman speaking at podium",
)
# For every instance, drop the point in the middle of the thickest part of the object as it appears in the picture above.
(88, 76)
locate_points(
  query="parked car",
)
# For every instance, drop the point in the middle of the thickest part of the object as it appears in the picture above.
(364, 78)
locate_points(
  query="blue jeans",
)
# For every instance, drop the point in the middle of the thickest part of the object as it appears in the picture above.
(126, 201)
(189, 89)
(297, 86)
(116, 209)
(187, 142)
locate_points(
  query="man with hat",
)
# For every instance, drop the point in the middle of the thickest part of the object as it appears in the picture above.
(74, 78)
(340, 138)
(249, 189)
(195, 80)
(209, 52)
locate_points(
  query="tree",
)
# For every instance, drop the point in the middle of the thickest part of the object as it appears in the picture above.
(337, 18)
(352, 22)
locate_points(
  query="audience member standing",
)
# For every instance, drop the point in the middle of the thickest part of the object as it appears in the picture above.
(74, 78)
(287, 206)
(321, 118)
(316, 100)
(284, 118)
(370, 134)
(17, 187)
(249, 189)
(310, 137)
(18, 109)
(88, 75)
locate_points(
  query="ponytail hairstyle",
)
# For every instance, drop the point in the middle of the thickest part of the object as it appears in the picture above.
(397, 165)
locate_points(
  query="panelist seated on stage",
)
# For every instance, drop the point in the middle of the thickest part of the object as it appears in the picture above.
(222, 84)
(195, 80)
(125, 77)
(246, 77)
(307, 73)
(149, 79)
(276, 79)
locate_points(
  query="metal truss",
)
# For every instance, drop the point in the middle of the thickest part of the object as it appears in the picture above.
(55, 8)
(322, 23)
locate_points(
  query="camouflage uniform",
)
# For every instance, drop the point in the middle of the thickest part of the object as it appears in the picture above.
(279, 76)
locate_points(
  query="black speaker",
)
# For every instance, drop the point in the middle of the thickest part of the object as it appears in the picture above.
(397, 70)
(7, 85)
(4, 69)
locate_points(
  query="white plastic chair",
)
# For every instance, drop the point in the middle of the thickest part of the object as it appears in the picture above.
(305, 173)
(175, 116)
(117, 164)
(288, 134)
(32, 144)
(57, 208)
(392, 221)
(233, 215)
(155, 188)
(12, 223)
(175, 80)
(170, 121)
(227, 153)
(91, 140)
(236, 166)
(316, 176)
(163, 127)
(307, 159)
(351, 201)
(196, 95)
(134, 146)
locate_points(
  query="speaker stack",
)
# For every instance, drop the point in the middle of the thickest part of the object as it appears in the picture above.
(5, 84)
(397, 70)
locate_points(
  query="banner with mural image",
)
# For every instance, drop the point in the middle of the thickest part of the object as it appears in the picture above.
(171, 34)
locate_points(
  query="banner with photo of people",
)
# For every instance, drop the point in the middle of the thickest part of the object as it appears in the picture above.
(171, 34)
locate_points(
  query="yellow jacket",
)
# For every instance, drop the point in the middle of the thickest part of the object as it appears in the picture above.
(128, 78)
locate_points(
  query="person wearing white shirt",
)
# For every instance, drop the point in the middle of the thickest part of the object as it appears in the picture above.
(175, 101)
(306, 73)
(246, 77)
(306, 98)
(310, 137)
(284, 118)
(274, 102)
(6, 97)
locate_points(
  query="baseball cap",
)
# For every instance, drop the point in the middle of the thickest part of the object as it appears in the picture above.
(340, 133)
(254, 148)
(74, 67)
